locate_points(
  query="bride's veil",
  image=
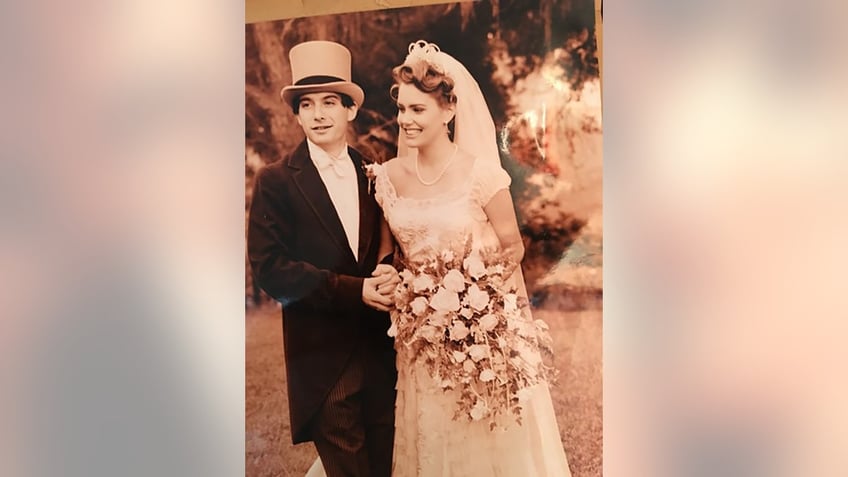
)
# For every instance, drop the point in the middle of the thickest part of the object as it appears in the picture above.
(474, 129)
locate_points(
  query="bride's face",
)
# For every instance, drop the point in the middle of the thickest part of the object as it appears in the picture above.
(421, 117)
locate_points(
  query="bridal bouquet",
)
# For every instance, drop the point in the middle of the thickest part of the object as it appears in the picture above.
(462, 316)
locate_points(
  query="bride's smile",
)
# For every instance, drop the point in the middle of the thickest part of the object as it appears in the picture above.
(411, 132)
(421, 117)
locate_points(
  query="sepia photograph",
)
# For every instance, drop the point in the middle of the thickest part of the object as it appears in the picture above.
(424, 241)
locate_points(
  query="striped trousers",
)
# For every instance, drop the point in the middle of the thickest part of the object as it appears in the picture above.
(354, 429)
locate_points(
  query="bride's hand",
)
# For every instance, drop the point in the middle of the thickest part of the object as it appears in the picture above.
(371, 295)
(386, 288)
(501, 214)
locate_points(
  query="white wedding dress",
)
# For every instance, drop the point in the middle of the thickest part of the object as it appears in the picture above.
(428, 441)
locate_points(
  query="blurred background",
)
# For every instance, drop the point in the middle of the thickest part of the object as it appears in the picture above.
(537, 64)
(725, 198)
(122, 244)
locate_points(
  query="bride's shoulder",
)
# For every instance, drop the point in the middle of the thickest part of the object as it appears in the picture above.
(397, 167)
(486, 166)
(397, 161)
(465, 161)
(391, 163)
(488, 177)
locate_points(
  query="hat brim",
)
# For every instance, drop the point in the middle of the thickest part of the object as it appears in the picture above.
(345, 87)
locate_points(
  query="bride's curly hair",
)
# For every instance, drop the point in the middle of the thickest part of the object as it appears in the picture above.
(428, 79)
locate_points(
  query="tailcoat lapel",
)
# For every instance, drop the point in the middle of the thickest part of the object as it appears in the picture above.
(369, 214)
(309, 182)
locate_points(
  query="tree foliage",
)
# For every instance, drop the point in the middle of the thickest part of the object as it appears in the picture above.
(483, 35)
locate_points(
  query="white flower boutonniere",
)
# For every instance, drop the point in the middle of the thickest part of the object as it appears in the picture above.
(371, 175)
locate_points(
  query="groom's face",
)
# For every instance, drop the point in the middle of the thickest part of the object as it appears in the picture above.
(324, 118)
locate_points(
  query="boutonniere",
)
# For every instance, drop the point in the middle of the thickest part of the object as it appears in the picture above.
(370, 174)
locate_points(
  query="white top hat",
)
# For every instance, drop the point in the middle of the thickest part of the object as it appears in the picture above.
(319, 66)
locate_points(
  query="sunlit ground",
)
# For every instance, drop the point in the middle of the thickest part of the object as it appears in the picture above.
(577, 396)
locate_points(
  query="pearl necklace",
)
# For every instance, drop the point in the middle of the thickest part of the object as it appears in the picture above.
(444, 169)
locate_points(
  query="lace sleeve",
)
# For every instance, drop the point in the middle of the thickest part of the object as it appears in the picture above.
(489, 179)
(378, 179)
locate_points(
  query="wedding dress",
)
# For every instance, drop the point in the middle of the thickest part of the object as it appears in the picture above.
(428, 441)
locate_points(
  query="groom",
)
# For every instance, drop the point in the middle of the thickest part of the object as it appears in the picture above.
(314, 236)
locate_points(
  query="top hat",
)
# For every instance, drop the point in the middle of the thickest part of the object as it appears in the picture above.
(319, 66)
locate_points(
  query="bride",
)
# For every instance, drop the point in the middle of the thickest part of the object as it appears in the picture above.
(447, 189)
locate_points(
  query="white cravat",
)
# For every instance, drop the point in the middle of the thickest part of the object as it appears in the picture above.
(339, 176)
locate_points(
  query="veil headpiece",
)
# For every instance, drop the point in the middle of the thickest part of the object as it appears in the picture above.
(474, 129)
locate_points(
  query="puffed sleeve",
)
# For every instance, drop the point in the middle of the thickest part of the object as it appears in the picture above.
(375, 175)
(489, 179)
(384, 191)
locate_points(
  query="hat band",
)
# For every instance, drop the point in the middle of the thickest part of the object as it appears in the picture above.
(318, 79)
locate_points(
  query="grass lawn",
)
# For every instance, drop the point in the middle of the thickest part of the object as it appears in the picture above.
(577, 397)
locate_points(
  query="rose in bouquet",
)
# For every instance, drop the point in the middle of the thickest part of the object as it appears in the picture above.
(462, 315)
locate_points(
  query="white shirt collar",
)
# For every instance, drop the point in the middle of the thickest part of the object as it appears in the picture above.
(342, 165)
(319, 155)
